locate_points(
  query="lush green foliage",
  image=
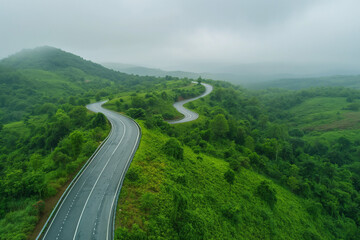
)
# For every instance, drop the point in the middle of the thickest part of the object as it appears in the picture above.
(289, 182)
(50, 76)
(173, 149)
(270, 164)
(37, 157)
(156, 102)
(47, 133)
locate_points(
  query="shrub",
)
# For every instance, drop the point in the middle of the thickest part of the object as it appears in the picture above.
(147, 201)
(267, 193)
(173, 149)
(132, 174)
(231, 213)
(137, 113)
(99, 120)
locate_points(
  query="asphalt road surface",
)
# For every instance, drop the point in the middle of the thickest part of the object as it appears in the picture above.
(88, 209)
(189, 115)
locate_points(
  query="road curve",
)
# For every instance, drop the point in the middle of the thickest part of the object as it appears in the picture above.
(88, 209)
(189, 115)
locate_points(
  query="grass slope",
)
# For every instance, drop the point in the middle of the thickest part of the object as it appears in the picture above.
(154, 180)
(326, 118)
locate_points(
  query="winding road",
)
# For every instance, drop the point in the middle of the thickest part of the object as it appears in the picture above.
(188, 114)
(87, 208)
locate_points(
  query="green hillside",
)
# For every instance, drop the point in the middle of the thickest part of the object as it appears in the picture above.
(286, 186)
(49, 75)
(167, 198)
(46, 133)
(53, 59)
(265, 164)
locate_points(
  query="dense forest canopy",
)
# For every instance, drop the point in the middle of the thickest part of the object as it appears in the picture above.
(265, 164)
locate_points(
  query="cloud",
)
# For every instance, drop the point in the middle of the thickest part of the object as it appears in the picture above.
(183, 34)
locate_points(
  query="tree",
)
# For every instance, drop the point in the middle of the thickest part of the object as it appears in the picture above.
(231, 213)
(267, 193)
(293, 183)
(76, 138)
(137, 102)
(12, 183)
(98, 97)
(137, 113)
(219, 126)
(164, 95)
(99, 120)
(118, 106)
(35, 161)
(60, 158)
(344, 143)
(72, 100)
(35, 183)
(229, 176)
(58, 129)
(173, 148)
(78, 115)
(277, 131)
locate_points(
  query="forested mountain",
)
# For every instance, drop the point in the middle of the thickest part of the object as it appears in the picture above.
(267, 164)
(53, 59)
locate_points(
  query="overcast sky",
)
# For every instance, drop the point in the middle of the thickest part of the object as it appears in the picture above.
(187, 34)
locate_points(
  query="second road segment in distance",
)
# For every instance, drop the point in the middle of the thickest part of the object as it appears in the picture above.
(188, 114)
(87, 210)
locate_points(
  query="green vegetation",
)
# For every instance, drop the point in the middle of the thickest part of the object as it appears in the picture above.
(37, 157)
(46, 132)
(252, 168)
(49, 76)
(156, 102)
(269, 164)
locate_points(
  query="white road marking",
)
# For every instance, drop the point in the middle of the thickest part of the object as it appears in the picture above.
(121, 177)
(87, 200)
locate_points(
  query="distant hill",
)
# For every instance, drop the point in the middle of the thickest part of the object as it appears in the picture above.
(144, 71)
(302, 83)
(248, 75)
(53, 59)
